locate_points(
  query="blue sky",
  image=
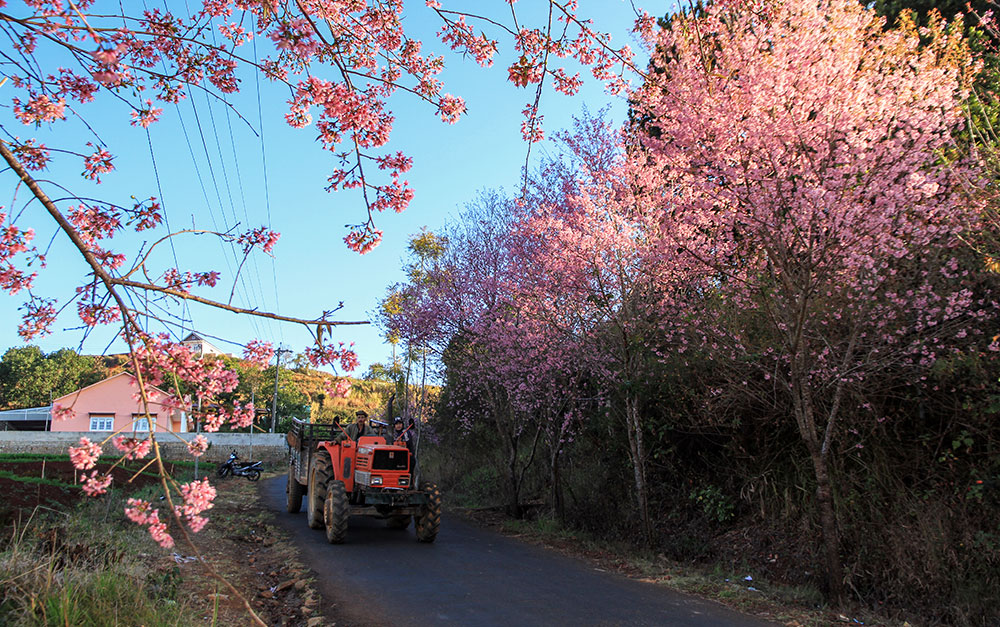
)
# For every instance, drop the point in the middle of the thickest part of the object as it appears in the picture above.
(211, 172)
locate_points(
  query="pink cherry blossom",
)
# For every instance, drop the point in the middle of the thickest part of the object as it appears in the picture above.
(258, 354)
(85, 456)
(158, 531)
(198, 446)
(96, 484)
(63, 412)
(133, 448)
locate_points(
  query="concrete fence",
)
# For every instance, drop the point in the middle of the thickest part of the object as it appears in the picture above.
(267, 447)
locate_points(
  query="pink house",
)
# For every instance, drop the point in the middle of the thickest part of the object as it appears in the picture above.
(110, 405)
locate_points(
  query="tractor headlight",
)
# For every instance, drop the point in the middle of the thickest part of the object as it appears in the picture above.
(376, 480)
(404, 481)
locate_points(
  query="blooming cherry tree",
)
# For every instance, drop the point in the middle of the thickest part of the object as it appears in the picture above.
(801, 147)
(590, 238)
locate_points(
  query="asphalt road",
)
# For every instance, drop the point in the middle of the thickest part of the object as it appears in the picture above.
(474, 577)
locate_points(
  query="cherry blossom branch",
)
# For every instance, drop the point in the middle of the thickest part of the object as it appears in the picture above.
(238, 310)
(141, 263)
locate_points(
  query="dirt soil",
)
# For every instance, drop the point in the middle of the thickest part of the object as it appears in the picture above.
(24, 497)
(20, 498)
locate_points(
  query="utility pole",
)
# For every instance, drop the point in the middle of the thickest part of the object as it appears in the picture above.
(274, 401)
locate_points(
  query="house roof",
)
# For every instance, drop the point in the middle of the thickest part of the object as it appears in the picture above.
(103, 381)
(31, 413)
(194, 337)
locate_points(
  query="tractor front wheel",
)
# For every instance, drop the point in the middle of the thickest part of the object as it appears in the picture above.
(398, 522)
(319, 475)
(428, 521)
(293, 491)
(336, 509)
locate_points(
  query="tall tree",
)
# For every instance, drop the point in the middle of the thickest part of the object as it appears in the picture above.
(801, 144)
(590, 241)
(463, 304)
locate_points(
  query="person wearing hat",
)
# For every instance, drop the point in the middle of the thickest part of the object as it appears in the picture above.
(401, 436)
(360, 426)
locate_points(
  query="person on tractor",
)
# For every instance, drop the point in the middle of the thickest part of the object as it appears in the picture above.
(402, 437)
(360, 426)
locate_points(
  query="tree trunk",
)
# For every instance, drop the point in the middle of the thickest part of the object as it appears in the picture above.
(828, 521)
(806, 419)
(513, 485)
(555, 477)
(638, 454)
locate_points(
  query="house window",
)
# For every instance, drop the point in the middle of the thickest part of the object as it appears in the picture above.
(140, 424)
(102, 422)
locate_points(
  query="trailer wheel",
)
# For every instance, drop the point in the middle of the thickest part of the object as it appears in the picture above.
(428, 521)
(294, 491)
(398, 522)
(336, 509)
(319, 474)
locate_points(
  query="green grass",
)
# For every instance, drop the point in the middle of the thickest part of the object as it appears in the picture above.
(546, 527)
(38, 457)
(87, 568)
(6, 474)
(183, 471)
(105, 598)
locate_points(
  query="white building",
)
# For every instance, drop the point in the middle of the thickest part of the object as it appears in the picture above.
(201, 346)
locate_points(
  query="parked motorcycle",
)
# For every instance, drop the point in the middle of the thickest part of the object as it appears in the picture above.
(232, 466)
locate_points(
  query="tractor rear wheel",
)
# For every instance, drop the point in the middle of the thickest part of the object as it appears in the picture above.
(398, 522)
(319, 474)
(294, 491)
(428, 521)
(336, 509)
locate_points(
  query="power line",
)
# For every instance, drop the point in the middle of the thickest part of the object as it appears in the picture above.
(166, 220)
(267, 195)
(218, 195)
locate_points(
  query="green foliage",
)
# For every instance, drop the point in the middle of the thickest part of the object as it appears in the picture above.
(714, 503)
(30, 378)
(425, 249)
(891, 9)
(477, 487)
(333, 413)
(381, 372)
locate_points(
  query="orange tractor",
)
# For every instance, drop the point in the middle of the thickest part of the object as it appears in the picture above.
(340, 477)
